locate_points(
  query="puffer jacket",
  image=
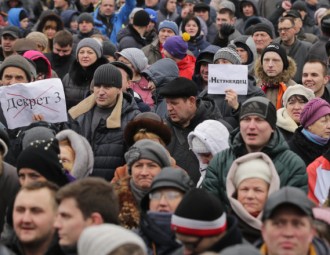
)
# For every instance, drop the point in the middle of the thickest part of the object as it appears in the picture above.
(107, 143)
(290, 167)
(128, 37)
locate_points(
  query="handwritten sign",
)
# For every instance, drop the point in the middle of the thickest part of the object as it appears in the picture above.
(19, 102)
(223, 77)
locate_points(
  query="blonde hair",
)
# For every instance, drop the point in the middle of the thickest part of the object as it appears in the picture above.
(142, 134)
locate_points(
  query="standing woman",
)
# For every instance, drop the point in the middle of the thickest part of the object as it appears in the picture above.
(77, 81)
(197, 42)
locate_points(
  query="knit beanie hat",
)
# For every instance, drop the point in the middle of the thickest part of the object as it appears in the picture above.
(22, 15)
(275, 47)
(141, 18)
(179, 87)
(325, 23)
(263, 28)
(229, 53)
(105, 238)
(176, 46)
(169, 24)
(43, 156)
(260, 106)
(208, 218)
(37, 133)
(152, 14)
(136, 57)
(147, 149)
(123, 66)
(85, 17)
(90, 43)
(198, 146)
(299, 90)
(19, 62)
(39, 38)
(299, 5)
(109, 49)
(107, 75)
(314, 110)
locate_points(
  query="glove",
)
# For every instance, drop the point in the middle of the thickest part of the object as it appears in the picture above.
(227, 29)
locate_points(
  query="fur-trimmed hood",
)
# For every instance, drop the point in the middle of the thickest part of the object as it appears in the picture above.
(284, 76)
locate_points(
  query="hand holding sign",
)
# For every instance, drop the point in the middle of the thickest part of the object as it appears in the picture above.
(21, 103)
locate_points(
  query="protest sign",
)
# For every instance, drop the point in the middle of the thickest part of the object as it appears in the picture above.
(223, 77)
(19, 102)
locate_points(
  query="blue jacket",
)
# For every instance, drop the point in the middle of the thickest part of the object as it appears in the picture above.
(117, 20)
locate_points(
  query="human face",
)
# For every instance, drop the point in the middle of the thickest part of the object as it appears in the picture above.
(165, 200)
(321, 127)
(143, 172)
(28, 175)
(287, 32)
(243, 54)
(252, 194)
(248, 10)
(70, 222)
(74, 25)
(262, 40)
(272, 64)
(313, 78)
(60, 3)
(204, 71)
(222, 61)
(62, 51)
(181, 110)
(171, 6)
(255, 132)
(107, 7)
(288, 232)
(13, 75)
(24, 23)
(67, 156)
(7, 42)
(151, 3)
(33, 216)
(191, 28)
(164, 33)
(105, 96)
(224, 18)
(85, 27)
(294, 107)
(204, 14)
(50, 29)
(86, 57)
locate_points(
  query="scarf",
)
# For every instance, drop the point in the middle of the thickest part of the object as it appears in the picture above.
(137, 192)
(281, 89)
(162, 220)
(314, 138)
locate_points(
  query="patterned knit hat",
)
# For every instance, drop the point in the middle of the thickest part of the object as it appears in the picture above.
(275, 47)
(90, 43)
(107, 75)
(136, 57)
(314, 110)
(176, 46)
(229, 53)
(206, 219)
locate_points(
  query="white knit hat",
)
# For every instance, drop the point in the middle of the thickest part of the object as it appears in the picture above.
(198, 146)
(105, 238)
(299, 90)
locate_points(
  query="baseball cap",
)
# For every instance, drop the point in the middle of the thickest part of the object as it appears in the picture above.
(11, 30)
(289, 196)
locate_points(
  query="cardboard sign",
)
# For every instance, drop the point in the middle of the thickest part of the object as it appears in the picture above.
(223, 77)
(19, 102)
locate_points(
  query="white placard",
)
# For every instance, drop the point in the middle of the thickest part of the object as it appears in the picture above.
(223, 77)
(19, 102)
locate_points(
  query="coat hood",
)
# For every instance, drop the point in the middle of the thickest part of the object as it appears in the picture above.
(67, 16)
(206, 55)
(254, 4)
(13, 16)
(248, 42)
(35, 55)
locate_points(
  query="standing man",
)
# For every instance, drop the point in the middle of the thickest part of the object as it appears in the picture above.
(262, 36)
(9, 36)
(101, 119)
(257, 132)
(108, 21)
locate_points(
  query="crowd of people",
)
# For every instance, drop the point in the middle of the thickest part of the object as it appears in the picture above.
(151, 161)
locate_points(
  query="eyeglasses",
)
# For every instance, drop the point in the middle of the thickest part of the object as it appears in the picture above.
(169, 195)
(284, 29)
(191, 246)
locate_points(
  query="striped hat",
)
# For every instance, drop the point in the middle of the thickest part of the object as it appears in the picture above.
(207, 218)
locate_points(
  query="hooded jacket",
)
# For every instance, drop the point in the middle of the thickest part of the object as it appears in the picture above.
(290, 167)
(35, 55)
(163, 14)
(252, 225)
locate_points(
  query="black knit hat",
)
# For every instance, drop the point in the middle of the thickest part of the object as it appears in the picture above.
(201, 6)
(141, 18)
(260, 106)
(107, 75)
(299, 5)
(264, 28)
(275, 47)
(85, 17)
(125, 67)
(109, 49)
(179, 87)
(43, 157)
(22, 15)
(208, 218)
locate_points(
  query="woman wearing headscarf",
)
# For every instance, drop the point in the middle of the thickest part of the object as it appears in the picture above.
(250, 181)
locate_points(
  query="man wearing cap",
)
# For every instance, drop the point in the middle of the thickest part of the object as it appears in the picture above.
(257, 132)
(101, 119)
(262, 36)
(153, 50)
(132, 36)
(202, 225)
(287, 226)
(9, 35)
(294, 48)
(203, 10)
(184, 112)
(108, 21)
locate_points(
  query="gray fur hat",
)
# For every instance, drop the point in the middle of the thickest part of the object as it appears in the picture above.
(95, 45)
(135, 56)
(84, 161)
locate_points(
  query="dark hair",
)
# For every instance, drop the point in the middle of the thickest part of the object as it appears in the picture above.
(226, 11)
(186, 20)
(92, 194)
(324, 65)
(289, 18)
(63, 38)
(50, 17)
